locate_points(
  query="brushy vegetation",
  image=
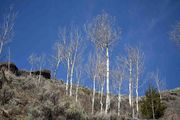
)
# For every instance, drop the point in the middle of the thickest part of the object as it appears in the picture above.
(28, 98)
(151, 105)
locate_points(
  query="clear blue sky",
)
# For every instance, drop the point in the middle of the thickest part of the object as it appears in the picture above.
(143, 22)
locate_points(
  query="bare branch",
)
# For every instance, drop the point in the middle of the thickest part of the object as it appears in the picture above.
(175, 34)
(102, 30)
(7, 28)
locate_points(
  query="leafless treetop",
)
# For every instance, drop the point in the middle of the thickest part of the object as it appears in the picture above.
(102, 30)
(6, 28)
(175, 34)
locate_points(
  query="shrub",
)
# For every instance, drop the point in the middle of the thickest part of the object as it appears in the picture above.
(71, 109)
(6, 94)
(75, 111)
(85, 91)
(39, 112)
(75, 114)
(103, 116)
(151, 105)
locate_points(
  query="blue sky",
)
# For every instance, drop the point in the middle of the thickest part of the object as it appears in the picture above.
(144, 22)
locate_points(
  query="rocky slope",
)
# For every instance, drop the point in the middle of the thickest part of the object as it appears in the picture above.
(25, 97)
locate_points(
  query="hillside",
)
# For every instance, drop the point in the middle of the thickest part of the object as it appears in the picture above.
(25, 97)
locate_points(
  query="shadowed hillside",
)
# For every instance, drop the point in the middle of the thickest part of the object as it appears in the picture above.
(25, 97)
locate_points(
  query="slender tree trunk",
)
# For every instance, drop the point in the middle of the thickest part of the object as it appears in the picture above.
(67, 77)
(107, 81)
(72, 68)
(137, 87)
(101, 100)
(77, 89)
(133, 114)
(159, 88)
(119, 96)
(99, 90)
(55, 71)
(130, 84)
(94, 90)
(31, 70)
(119, 101)
(71, 78)
(1, 47)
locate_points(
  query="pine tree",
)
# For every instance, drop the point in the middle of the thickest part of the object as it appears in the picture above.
(151, 105)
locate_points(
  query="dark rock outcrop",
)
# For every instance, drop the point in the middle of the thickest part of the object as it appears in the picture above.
(45, 73)
(4, 66)
(11, 66)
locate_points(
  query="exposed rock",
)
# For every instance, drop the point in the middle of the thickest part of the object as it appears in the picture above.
(11, 66)
(45, 73)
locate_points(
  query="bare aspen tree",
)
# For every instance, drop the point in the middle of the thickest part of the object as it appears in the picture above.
(32, 59)
(138, 57)
(103, 33)
(78, 78)
(92, 73)
(58, 56)
(160, 85)
(129, 62)
(40, 63)
(102, 82)
(63, 37)
(79, 72)
(67, 76)
(101, 70)
(134, 63)
(75, 39)
(175, 34)
(118, 76)
(71, 42)
(7, 28)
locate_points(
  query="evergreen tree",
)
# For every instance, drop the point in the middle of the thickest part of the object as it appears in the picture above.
(151, 105)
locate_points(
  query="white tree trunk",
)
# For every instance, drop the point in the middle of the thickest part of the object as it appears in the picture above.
(137, 87)
(133, 114)
(67, 77)
(72, 69)
(71, 78)
(107, 81)
(157, 82)
(119, 101)
(130, 84)
(119, 96)
(31, 70)
(1, 47)
(77, 89)
(55, 71)
(152, 103)
(94, 90)
(101, 100)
